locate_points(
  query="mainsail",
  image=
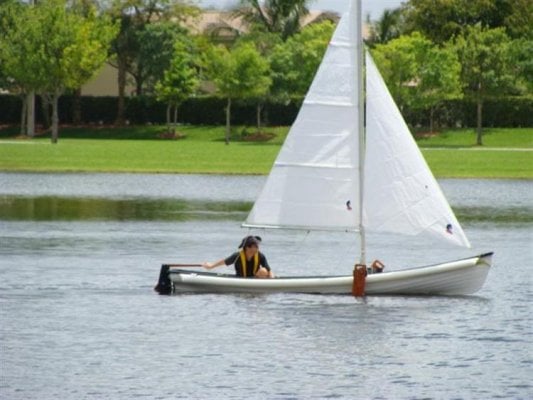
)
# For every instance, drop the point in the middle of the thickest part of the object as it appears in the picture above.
(314, 182)
(401, 194)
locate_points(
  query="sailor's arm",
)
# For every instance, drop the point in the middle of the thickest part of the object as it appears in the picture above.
(208, 265)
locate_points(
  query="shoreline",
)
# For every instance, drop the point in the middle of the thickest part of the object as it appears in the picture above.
(188, 173)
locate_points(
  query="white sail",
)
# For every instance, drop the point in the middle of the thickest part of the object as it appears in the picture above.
(314, 181)
(401, 194)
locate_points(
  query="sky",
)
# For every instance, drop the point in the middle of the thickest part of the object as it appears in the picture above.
(374, 7)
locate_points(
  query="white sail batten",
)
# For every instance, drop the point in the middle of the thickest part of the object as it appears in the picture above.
(314, 181)
(401, 194)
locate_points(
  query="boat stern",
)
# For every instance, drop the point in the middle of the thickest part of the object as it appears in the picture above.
(164, 284)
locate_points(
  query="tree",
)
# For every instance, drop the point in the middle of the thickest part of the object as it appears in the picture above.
(522, 63)
(398, 63)
(276, 16)
(264, 42)
(418, 73)
(49, 49)
(84, 8)
(519, 22)
(179, 81)
(133, 16)
(9, 10)
(155, 53)
(295, 62)
(437, 80)
(237, 74)
(487, 71)
(387, 27)
(441, 20)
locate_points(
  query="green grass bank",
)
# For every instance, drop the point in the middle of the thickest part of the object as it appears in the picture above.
(507, 153)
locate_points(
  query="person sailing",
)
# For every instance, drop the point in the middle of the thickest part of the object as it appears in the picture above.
(248, 261)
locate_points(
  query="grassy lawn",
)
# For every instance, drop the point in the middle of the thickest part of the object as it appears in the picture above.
(140, 150)
(504, 153)
(480, 164)
(500, 137)
(202, 150)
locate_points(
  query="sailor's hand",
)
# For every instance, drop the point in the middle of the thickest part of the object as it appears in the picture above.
(208, 265)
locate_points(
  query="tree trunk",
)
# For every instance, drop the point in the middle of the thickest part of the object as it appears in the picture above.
(168, 117)
(30, 117)
(431, 114)
(45, 106)
(121, 92)
(175, 119)
(23, 115)
(259, 109)
(228, 121)
(479, 130)
(76, 107)
(55, 118)
(139, 86)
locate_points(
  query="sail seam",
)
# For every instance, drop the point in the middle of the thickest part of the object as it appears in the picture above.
(302, 228)
(329, 103)
(286, 164)
(342, 44)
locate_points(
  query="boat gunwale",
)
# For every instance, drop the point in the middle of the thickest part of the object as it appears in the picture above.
(376, 276)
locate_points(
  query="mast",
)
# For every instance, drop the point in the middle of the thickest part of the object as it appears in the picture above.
(361, 118)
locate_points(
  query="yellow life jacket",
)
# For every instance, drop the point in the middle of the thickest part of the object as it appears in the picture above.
(244, 265)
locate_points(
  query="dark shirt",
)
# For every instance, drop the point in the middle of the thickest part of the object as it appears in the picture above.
(235, 258)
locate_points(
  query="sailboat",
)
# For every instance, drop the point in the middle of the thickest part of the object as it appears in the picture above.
(336, 172)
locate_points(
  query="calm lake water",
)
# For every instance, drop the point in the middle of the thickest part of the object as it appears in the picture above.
(80, 253)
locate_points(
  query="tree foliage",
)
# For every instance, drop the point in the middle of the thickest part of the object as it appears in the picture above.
(519, 22)
(295, 62)
(522, 64)
(486, 66)
(131, 46)
(239, 73)
(155, 52)
(276, 16)
(179, 81)
(389, 26)
(441, 20)
(418, 73)
(398, 62)
(49, 49)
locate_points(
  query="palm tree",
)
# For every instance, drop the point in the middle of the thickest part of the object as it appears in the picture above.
(387, 27)
(278, 16)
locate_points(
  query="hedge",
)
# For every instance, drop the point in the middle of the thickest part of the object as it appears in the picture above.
(505, 112)
(508, 112)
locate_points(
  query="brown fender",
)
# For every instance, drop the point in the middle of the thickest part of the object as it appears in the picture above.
(359, 280)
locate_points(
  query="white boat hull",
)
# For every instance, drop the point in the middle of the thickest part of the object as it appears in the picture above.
(460, 277)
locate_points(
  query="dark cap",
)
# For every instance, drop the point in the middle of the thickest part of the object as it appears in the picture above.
(250, 241)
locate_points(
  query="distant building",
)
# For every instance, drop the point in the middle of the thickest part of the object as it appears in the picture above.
(222, 27)
(225, 26)
(105, 83)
